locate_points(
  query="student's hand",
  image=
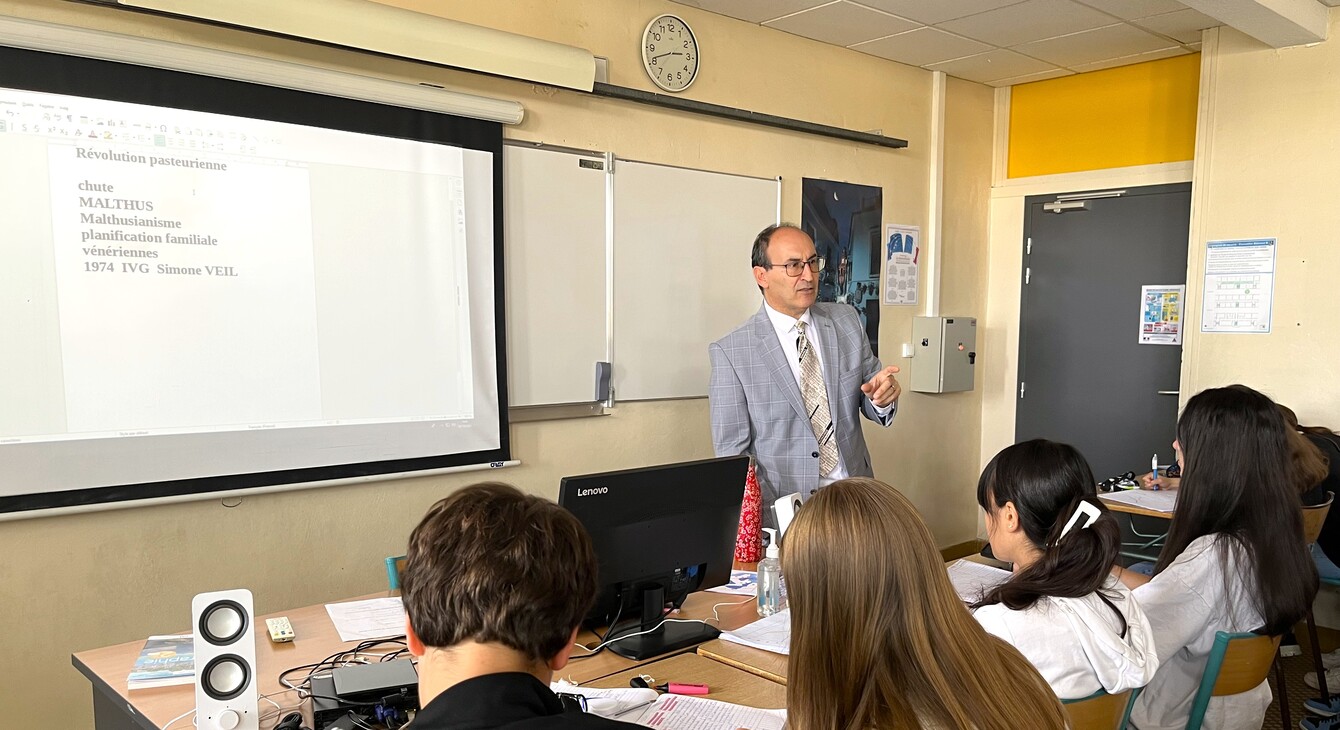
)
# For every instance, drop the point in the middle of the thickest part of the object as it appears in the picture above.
(883, 389)
(1149, 481)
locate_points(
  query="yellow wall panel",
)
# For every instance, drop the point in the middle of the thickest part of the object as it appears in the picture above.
(1132, 115)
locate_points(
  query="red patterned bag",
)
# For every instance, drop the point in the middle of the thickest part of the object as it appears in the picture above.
(749, 540)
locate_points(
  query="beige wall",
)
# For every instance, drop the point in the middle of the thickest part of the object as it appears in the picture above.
(79, 582)
(1267, 157)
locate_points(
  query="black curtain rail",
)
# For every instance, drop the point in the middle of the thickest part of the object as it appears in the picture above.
(744, 115)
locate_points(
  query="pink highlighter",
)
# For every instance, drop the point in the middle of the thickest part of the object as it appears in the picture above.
(676, 688)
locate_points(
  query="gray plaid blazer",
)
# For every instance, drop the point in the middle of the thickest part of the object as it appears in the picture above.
(757, 409)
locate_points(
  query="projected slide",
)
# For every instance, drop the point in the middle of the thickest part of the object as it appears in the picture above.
(222, 273)
(188, 295)
(179, 288)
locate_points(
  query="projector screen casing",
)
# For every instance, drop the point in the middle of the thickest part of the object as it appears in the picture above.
(58, 74)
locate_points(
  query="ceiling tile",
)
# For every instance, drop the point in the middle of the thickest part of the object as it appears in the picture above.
(922, 46)
(1184, 25)
(1088, 46)
(754, 11)
(842, 23)
(938, 11)
(1129, 60)
(1026, 78)
(992, 66)
(1028, 21)
(1128, 9)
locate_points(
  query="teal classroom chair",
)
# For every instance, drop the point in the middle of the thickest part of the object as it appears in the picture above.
(1238, 662)
(393, 566)
(1101, 711)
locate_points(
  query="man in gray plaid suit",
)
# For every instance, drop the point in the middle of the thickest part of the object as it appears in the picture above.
(788, 384)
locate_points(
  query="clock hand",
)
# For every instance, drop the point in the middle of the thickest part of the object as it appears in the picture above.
(663, 55)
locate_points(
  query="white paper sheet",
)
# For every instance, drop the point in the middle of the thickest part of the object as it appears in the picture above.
(375, 618)
(612, 703)
(680, 712)
(769, 634)
(742, 583)
(972, 579)
(1160, 501)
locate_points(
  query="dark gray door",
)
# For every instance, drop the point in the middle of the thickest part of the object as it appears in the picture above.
(1083, 377)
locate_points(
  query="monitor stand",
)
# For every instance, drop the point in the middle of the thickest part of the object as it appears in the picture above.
(667, 637)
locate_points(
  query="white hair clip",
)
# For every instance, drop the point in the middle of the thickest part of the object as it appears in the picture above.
(1085, 508)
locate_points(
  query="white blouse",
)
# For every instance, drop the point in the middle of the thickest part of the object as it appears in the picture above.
(1076, 644)
(1187, 603)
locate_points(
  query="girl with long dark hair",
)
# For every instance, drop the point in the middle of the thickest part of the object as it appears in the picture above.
(1234, 558)
(1062, 608)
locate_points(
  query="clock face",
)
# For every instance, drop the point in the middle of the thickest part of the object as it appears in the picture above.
(670, 53)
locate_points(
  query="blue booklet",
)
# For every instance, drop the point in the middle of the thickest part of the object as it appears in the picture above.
(164, 661)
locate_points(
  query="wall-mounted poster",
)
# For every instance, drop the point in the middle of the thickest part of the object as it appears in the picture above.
(902, 252)
(1239, 286)
(1161, 314)
(845, 222)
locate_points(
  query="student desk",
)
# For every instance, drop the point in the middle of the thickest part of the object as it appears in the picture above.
(726, 683)
(116, 708)
(1131, 509)
(764, 664)
(1145, 546)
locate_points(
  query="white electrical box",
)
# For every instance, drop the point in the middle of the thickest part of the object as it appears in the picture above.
(946, 353)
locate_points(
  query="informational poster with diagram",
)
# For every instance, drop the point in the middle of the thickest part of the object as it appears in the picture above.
(1161, 314)
(902, 249)
(1239, 286)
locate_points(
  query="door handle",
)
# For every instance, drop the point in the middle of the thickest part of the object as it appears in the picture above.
(1170, 392)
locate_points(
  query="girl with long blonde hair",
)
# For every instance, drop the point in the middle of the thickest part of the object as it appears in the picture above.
(879, 637)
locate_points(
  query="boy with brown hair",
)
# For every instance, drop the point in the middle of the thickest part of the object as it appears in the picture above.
(495, 585)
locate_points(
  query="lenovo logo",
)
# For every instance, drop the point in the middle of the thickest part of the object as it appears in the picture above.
(592, 491)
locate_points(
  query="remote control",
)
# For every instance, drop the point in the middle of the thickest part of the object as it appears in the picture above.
(281, 631)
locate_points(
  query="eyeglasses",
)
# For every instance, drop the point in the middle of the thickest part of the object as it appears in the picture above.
(572, 702)
(793, 268)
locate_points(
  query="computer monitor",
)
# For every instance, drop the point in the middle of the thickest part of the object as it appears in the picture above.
(661, 533)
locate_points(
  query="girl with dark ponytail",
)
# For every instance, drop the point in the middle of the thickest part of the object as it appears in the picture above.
(1062, 608)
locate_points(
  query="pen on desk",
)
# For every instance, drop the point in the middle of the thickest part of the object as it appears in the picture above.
(1155, 472)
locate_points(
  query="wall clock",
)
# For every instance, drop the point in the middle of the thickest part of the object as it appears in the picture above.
(670, 53)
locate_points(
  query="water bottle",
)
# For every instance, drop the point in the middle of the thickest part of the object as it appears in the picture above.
(770, 576)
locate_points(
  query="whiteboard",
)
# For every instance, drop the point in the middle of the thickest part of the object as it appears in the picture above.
(555, 274)
(682, 241)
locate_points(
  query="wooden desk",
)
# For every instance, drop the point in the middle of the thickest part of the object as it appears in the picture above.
(736, 612)
(727, 684)
(764, 664)
(116, 708)
(1131, 509)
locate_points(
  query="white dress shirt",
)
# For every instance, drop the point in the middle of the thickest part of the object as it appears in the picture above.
(787, 332)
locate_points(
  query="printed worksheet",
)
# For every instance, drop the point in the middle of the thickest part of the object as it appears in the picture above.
(769, 634)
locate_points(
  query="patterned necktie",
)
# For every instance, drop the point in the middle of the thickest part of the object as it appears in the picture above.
(815, 396)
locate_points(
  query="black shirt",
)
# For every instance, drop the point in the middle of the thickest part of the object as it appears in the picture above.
(511, 700)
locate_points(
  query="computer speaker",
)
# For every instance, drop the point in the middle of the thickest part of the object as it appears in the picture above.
(225, 661)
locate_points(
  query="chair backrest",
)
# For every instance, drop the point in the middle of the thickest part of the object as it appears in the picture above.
(1238, 662)
(1100, 710)
(1314, 517)
(393, 566)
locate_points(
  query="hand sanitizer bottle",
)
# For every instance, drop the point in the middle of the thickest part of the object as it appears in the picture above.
(770, 576)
